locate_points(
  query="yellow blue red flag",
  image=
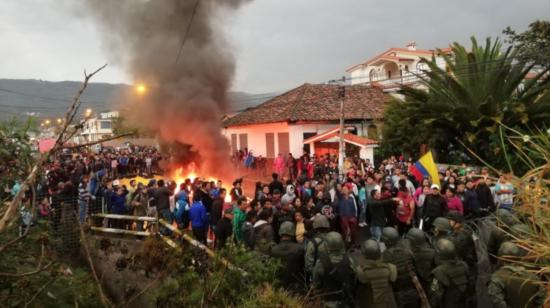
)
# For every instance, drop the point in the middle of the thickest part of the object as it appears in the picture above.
(426, 167)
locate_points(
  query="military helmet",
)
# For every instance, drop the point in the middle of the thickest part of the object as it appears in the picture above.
(371, 249)
(390, 236)
(442, 224)
(287, 228)
(506, 217)
(334, 243)
(456, 216)
(416, 236)
(321, 221)
(445, 249)
(520, 230)
(509, 249)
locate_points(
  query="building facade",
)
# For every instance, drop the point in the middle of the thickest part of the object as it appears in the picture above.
(286, 123)
(395, 67)
(97, 128)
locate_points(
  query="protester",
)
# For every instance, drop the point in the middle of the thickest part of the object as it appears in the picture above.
(326, 214)
(199, 220)
(224, 229)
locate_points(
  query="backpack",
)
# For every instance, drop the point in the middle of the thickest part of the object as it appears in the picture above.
(338, 282)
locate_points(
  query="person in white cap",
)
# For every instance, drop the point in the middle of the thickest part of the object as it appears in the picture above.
(434, 206)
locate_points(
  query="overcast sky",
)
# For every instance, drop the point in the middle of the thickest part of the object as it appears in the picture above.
(278, 44)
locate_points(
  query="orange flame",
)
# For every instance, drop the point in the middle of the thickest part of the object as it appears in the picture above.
(189, 172)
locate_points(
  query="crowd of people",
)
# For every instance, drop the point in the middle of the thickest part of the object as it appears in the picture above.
(374, 236)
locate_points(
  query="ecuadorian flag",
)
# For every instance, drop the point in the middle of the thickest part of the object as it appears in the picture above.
(425, 167)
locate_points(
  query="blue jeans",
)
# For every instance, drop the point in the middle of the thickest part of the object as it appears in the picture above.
(82, 211)
(507, 207)
(376, 232)
(166, 215)
(363, 214)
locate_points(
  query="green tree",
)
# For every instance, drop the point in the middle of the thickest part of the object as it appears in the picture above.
(465, 104)
(17, 152)
(533, 45)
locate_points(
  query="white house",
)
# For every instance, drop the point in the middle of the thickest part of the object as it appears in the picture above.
(97, 128)
(395, 67)
(290, 122)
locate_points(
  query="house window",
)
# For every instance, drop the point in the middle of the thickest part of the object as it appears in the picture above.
(105, 124)
(389, 74)
(234, 147)
(406, 68)
(243, 141)
(270, 145)
(284, 143)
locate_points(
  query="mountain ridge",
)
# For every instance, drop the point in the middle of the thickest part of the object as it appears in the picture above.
(42, 98)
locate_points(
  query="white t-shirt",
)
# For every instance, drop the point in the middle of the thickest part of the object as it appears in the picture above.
(506, 198)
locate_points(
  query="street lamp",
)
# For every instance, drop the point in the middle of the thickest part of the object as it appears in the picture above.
(47, 122)
(59, 121)
(141, 89)
(88, 113)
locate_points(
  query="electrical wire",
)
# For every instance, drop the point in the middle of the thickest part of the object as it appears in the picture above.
(195, 7)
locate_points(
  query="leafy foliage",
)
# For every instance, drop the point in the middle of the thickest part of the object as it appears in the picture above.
(196, 281)
(59, 285)
(465, 104)
(533, 45)
(531, 201)
(17, 153)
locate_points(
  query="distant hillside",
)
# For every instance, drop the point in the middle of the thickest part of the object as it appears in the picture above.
(20, 97)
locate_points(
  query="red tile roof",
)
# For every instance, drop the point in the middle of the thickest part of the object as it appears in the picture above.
(350, 138)
(315, 102)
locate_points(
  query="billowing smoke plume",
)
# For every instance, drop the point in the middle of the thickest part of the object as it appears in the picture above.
(187, 94)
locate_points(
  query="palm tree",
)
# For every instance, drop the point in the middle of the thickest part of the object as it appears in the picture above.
(465, 103)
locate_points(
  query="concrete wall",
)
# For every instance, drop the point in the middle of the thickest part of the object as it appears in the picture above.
(257, 140)
(256, 136)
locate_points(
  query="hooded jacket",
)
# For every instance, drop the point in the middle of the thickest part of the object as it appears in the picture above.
(290, 194)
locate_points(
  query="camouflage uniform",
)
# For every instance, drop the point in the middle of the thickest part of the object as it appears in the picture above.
(291, 254)
(316, 246)
(374, 279)
(449, 286)
(505, 220)
(406, 293)
(333, 275)
(514, 286)
(423, 255)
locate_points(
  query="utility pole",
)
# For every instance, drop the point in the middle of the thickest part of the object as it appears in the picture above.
(342, 144)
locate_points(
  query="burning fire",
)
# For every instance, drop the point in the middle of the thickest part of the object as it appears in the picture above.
(189, 172)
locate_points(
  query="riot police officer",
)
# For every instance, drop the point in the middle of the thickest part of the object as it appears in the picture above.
(441, 228)
(316, 246)
(505, 221)
(449, 286)
(291, 254)
(423, 255)
(406, 293)
(374, 278)
(512, 285)
(332, 274)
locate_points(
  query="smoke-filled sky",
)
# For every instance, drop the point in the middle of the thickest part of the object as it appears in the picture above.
(278, 44)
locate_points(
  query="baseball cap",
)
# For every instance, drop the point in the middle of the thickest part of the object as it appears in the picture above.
(435, 186)
(116, 183)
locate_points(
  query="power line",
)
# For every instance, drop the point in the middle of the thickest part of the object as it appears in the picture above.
(187, 30)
